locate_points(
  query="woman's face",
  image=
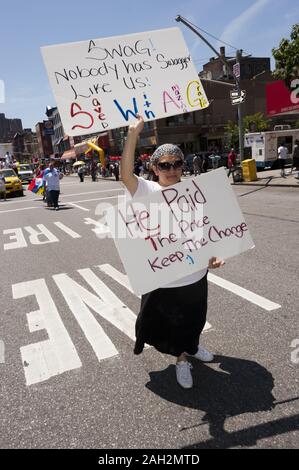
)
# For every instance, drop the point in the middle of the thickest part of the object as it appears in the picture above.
(169, 170)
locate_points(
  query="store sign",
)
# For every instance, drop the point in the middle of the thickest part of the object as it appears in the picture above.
(280, 99)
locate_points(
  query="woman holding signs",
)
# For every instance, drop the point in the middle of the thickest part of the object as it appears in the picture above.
(171, 318)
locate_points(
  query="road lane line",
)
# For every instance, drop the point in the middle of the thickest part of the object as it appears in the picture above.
(33, 199)
(91, 192)
(97, 199)
(67, 230)
(84, 200)
(123, 280)
(78, 207)
(244, 293)
(22, 209)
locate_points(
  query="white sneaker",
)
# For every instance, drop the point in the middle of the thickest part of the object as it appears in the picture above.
(183, 374)
(203, 354)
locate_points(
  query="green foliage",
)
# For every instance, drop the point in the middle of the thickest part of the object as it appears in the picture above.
(232, 134)
(287, 58)
(256, 123)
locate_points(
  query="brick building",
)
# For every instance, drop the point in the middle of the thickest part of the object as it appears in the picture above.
(9, 127)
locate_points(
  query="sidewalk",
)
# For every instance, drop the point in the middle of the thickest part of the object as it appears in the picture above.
(272, 178)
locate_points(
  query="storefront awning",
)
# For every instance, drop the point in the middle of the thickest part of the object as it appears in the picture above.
(69, 155)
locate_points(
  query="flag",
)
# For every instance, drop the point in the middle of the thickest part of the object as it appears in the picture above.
(36, 186)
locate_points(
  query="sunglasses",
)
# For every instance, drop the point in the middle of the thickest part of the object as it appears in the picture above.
(165, 166)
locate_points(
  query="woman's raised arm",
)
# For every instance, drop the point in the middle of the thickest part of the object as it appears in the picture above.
(129, 179)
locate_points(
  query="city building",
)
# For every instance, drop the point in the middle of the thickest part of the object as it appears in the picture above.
(9, 127)
(205, 130)
(25, 146)
(44, 131)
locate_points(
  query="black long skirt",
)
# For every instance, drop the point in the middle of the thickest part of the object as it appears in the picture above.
(172, 319)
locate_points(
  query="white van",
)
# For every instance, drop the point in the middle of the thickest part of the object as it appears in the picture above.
(263, 146)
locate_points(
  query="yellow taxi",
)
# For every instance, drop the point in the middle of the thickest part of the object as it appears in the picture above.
(13, 184)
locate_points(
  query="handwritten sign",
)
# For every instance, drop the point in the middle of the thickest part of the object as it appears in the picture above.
(102, 84)
(175, 231)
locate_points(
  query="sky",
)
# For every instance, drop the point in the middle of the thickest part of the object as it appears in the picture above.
(256, 26)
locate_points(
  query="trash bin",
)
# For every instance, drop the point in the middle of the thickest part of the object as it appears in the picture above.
(249, 170)
(237, 175)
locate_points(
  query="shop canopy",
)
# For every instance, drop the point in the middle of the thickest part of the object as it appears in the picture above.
(69, 155)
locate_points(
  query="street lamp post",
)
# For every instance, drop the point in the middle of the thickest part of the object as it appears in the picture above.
(228, 66)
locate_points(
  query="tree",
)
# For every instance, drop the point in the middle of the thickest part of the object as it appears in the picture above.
(287, 58)
(232, 134)
(256, 123)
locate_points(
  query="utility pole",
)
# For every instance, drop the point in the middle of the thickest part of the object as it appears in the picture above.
(240, 110)
(228, 66)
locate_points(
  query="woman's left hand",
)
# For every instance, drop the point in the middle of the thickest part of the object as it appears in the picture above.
(215, 262)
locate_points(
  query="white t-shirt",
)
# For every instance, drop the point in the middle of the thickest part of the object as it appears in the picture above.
(282, 152)
(52, 179)
(144, 188)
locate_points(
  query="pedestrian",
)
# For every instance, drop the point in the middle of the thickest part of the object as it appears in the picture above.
(171, 318)
(295, 163)
(93, 171)
(197, 165)
(282, 156)
(116, 171)
(215, 160)
(53, 178)
(15, 167)
(45, 186)
(231, 163)
(2, 188)
(81, 174)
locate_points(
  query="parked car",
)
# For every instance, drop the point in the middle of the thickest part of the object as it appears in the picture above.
(13, 184)
(25, 172)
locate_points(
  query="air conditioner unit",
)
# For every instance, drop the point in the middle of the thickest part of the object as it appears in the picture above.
(283, 127)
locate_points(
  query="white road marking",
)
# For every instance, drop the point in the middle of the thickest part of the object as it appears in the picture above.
(244, 293)
(67, 230)
(78, 207)
(119, 277)
(105, 304)
(97, 199)
(72, 202)
(44, 233)
(123, 280)
(55, 355)
(21, 209)
(92, 192)
(100, 229)
(17, 237)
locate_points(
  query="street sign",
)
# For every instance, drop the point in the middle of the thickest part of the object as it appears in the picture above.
(234, 94)
(236, 70)
(237, 101)
(48, 127)
(237, 97)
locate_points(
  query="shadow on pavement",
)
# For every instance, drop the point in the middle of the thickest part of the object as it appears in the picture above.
(61, 208)
(240, 386)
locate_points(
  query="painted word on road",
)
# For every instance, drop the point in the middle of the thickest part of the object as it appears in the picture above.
(16, 238)
(56, 355)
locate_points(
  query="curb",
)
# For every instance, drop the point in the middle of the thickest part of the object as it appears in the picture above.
(268, 185)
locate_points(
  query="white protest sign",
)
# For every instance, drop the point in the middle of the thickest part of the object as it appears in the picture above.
(103, 83)
(174, 232)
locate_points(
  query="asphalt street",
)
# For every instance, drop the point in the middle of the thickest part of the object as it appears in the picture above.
(69, 378)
